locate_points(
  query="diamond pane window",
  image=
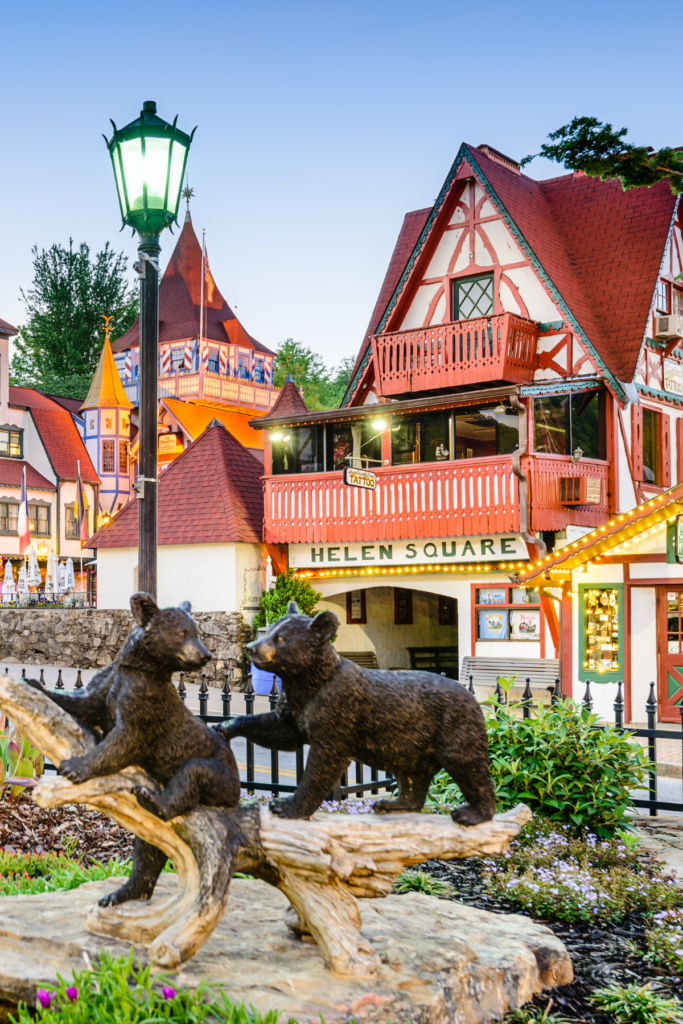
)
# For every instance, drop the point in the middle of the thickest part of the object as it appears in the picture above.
(472, 297)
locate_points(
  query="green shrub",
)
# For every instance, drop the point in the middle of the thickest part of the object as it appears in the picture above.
(19, 760)
(273, 604)
(559, 764)
(665, 939)
(535, 1015)
(637, 1004)
(117, 990)
(420, 881)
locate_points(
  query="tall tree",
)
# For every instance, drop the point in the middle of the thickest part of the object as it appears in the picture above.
(586, 144)
(58, 347)
(322, 388)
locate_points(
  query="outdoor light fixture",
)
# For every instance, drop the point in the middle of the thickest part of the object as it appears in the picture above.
(379, 424)
(149, 157)
(276, 437)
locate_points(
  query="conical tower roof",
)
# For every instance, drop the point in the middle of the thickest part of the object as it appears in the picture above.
(180, 303)
(106, 389)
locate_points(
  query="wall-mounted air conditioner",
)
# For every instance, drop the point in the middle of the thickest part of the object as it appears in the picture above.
(580, 490)
(669, 326)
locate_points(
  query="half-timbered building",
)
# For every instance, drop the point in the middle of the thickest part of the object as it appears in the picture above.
(519, 385)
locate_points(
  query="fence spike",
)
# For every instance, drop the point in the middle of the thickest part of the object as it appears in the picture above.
(60, 684)
(587, 699)
(203, 696)
(557, 692)
(652, 698)
(79, 681)
(182, 692)
(651, 711)
(42, 677)
(226, 696)
(471, 686)
(23, 673)
(498, 693)
(619, 705)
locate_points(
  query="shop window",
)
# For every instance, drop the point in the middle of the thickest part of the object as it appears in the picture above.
(507, 613)
(420, 439)
(108, 460)
(601, 634)
(39, 520)
(651, 425)
(123, 457)
(447, 611)
(563, 423)
(486, 431)
(212, 362)
(11, 445)
(473, 297)
(70, 524)
(663, 296)
(356, 614)
(9, 514)
(678, 302)
(403, 607)
(353, 444)
(177, 359)
(297, 450)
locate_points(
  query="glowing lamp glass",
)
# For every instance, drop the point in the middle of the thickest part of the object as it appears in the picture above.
(379, 424)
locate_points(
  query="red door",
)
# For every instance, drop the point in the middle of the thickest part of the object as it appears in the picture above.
(670, 653)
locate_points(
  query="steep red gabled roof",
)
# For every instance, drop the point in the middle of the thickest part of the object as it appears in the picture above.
(12, 470)
(62, 442)
(211, 494)
(180, 302)
(6, 328)
(289, 403)
(72, 404)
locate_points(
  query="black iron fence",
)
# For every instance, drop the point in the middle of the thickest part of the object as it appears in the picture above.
(375, 783)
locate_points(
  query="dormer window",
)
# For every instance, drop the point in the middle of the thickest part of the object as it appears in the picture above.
(663, 296)
(11, 444)
(473, 297)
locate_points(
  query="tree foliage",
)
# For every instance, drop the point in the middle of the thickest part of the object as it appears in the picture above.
(287, 588)
(323, 388)
(586, 144)
(59, 345)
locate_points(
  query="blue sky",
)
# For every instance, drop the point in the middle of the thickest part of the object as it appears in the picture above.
(319, 126)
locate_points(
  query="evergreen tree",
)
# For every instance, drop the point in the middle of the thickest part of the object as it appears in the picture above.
(273, 604)
(586, 144)
(58, 347)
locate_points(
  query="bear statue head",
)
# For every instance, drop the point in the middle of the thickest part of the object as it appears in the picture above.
(296, 644)
(167, 637)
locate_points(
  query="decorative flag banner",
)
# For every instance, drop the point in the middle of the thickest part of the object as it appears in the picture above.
(266, 371)
(223, 366)
(166, 361)
(195, 351)
(23, 526)
(205, 357)
(188, 354)
(208, 280)
(81, 510)
(128, 367)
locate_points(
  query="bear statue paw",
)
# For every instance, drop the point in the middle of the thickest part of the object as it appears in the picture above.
(150, 801)
(284, 809)
(121, 895)
(468, 816)
(74, 770)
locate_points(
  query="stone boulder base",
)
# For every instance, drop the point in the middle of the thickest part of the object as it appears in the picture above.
(442, 962)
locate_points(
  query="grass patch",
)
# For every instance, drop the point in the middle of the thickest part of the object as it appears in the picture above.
(420, 881)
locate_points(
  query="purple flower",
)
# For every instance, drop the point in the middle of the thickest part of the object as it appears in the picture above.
(168, 992)
(45, 998)
(72, 993)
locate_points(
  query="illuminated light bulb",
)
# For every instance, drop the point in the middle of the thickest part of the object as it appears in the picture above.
(379, 424)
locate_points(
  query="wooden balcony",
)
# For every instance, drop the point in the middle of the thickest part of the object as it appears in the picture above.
(211, 387)
(494, 348)
(547, 513)
(445, 499)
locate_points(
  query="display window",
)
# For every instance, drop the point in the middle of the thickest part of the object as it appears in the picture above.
(601, 632)
(507, 613)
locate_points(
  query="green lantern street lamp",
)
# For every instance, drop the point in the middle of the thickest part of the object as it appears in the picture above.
(149, 157)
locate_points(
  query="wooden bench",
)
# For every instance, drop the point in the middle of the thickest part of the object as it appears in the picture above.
(366, 659)
(435, 659)
(485, 671)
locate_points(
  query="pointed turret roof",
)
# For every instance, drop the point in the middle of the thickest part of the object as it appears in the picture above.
(289, 403)
(180, 302)
(106, 388)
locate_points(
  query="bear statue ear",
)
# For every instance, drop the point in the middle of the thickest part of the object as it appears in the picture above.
(293, 608)
(143, 607)
(325, 624)
(185, 606)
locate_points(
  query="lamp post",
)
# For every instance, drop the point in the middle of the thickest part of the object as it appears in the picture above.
(149, 157)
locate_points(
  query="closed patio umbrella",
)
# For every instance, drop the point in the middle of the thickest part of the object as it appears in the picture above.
(51, 576)
(34, 578)
(61, 578)
(70, 578)
(8, 588)
(22, 581)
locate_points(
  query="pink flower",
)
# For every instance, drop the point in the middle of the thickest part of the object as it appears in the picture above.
(168, 992)
(45, 998)
(72, 993)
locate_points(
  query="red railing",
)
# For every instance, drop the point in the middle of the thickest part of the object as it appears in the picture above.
(448, 355)
(544, 481)
(446, 499)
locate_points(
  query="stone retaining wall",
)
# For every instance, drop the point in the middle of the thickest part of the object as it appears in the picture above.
(91, 637)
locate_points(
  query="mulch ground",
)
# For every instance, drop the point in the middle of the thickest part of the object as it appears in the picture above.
(601, 954)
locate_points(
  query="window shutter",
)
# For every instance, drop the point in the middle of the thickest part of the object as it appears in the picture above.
(637, 441)
(665, 434)
(679, 449)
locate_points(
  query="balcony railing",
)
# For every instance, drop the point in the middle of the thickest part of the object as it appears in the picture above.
(446, 499)
(545, 473)
(449, 355)
(212, 387)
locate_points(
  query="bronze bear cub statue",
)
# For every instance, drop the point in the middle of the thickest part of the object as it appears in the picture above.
(409, 723)
(133, 709)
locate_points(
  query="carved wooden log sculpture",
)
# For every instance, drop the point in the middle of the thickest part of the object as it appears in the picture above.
(321, 865)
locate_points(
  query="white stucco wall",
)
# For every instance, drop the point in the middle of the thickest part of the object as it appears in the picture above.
(644, 667)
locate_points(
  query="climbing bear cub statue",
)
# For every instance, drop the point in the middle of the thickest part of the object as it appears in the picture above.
(134, 710)
(409, 723)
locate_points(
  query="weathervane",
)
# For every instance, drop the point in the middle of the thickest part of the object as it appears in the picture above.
(106, 327)
(187, 194)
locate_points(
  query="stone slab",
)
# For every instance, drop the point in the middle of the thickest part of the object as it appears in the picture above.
(442, 962)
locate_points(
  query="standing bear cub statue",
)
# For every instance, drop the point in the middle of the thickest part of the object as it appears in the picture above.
(133, 709)
(408, 723)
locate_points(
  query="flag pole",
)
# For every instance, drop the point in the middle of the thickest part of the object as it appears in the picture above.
(82, 513)
(201, 301)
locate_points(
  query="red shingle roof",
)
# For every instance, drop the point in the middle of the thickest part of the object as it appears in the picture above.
(180, 302)
(6, 328)
(211, 494)
(289, 403)
(73, 405)
(11, 472)
(63, 443)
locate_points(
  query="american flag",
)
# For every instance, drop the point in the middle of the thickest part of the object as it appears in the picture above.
(188, 355)
(223, 360)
